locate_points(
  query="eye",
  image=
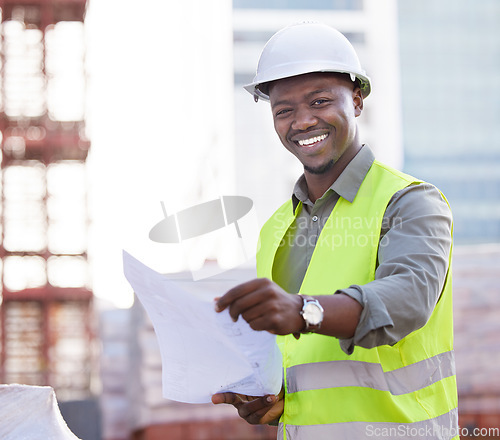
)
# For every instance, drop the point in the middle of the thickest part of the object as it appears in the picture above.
(282, 112)
(320, 101)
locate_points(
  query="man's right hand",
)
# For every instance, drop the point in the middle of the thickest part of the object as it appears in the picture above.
(255, 410)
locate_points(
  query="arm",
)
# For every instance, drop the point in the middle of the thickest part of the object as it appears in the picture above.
(413, 261)
(266, 306)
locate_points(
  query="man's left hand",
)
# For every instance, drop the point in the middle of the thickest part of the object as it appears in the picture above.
(255, 410)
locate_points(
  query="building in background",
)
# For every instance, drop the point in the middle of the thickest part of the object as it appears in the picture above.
(450, 60)
(266, 171)
(450, 75)
(46, 299)
(476, 290)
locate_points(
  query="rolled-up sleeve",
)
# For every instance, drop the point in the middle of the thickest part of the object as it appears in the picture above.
(413, 260)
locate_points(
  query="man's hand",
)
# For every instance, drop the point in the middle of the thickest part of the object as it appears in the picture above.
(255, 410)
(265, 306)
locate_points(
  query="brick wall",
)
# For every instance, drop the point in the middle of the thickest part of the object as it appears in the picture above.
(476, 289)
(229, 429)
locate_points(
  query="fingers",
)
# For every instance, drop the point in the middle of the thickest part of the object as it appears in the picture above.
(256, 405)
(230, 398)
(264, 305)
(249, 306)
(254, 410)
(237, 400)
(237, 292)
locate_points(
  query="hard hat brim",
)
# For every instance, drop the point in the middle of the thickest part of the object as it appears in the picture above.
(253, 88)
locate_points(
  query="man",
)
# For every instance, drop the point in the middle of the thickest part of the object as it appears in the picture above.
(367, 342)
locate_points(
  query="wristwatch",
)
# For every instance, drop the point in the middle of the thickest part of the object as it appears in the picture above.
(312, 312)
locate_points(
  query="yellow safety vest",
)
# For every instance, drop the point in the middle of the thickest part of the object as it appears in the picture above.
(407, 390)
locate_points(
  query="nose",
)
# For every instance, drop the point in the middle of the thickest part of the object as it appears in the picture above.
(304, 119)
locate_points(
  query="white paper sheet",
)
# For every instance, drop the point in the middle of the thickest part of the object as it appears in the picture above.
(31, 412)
(203, 352)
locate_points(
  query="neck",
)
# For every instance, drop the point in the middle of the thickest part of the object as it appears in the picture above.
(318, 184)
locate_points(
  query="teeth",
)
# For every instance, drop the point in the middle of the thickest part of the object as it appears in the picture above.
(313, 140)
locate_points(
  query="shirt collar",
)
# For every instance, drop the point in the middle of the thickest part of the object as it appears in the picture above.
(346, 185)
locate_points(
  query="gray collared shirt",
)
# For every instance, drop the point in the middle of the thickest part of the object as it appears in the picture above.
(412, 263)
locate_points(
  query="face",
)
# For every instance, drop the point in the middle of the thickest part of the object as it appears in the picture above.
(315, 118)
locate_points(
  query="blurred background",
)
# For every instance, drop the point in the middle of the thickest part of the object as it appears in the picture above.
(109, 108)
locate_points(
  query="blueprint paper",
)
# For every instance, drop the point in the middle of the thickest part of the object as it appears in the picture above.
(203, 352)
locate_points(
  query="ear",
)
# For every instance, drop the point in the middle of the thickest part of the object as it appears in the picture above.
(357, 99)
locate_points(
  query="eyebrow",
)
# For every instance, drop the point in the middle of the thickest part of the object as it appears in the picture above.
(317, 92)
(308, 96)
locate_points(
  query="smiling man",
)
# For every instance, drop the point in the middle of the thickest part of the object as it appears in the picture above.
(354, 270)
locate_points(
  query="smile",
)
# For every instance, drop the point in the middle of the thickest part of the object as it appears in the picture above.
(311, 141)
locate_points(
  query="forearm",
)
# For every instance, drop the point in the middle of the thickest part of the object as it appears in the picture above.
(341, 315)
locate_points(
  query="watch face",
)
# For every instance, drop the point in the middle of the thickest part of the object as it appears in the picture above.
(312, 314)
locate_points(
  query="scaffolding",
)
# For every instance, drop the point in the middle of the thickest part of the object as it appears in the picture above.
(46, 298)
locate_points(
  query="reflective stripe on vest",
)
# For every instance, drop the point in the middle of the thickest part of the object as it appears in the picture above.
(443, 427)
(326, 390)
(347, 373)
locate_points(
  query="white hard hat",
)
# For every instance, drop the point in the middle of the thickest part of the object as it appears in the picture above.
(306, 48)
